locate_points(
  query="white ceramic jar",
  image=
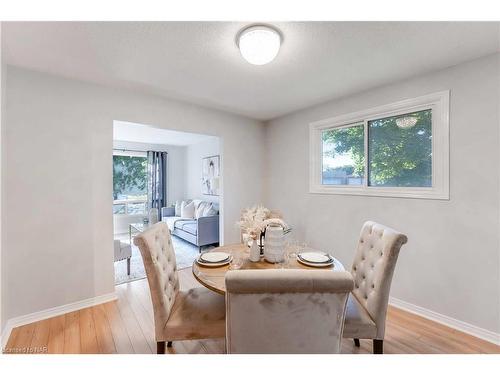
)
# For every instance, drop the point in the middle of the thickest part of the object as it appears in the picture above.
(274, 249)
(254, 252)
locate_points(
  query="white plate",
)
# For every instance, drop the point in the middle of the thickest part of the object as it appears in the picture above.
(214, 257)
(315, 257)
(319, 265)
(219, 264)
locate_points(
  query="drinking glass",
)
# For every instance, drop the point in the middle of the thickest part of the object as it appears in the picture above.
(237, 261)
(284, 263)
(303, 247)
(291, 252)
(292, 245)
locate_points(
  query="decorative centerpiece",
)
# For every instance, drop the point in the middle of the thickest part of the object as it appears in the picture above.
(254, 224)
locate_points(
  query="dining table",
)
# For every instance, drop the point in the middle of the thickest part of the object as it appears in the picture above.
(214, 277)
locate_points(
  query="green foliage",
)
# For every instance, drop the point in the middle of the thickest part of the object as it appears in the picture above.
(129, 175)
(348, 141)
(401, 157)
(397, 157)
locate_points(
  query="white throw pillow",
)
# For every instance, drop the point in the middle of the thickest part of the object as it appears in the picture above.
(187, 210)
(177, 208)
(209, 210)
(196, 203)
(200, 209)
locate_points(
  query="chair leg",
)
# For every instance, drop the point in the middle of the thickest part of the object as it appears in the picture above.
(169, 344)
(378, 346)
(128, 266)
(356, 342)
(160, 347)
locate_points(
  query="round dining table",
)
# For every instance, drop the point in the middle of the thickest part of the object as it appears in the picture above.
(213, 277)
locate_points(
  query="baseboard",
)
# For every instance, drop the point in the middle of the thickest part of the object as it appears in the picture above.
(459, 325)
(54, 311)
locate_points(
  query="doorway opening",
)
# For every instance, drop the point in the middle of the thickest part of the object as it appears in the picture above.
(170, 176)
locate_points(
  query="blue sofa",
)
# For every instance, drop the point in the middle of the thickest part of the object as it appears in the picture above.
(200, 232)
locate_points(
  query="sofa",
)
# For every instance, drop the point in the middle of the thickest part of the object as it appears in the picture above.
(200, 231)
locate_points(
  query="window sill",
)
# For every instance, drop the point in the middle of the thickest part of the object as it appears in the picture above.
(412, 193)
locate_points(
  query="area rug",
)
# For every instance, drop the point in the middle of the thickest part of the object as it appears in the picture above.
(185, 254)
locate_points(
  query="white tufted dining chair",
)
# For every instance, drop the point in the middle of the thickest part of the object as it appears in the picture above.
(372, 270)
(285, 310)
(194, 314)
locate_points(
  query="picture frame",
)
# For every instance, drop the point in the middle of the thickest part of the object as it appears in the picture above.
(210, 179)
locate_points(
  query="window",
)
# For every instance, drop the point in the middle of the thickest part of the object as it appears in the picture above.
(129, 182)
(343, 161)
(398, 150)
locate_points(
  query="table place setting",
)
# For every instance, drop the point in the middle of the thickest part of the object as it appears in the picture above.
(315, 259)
(214, 259)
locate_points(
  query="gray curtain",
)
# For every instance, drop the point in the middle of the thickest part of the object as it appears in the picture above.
(157, 180)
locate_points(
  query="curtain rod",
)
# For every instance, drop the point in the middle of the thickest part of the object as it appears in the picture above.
(125, 149)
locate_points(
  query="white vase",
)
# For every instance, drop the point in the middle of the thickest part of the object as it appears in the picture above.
(153, 216)
(254, 252)
(274, 250)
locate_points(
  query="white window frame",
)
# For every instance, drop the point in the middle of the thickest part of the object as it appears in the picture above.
(439, 104)
(126, 202)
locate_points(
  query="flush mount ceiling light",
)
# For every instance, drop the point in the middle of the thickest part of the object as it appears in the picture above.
(259, 45)
(406, 122)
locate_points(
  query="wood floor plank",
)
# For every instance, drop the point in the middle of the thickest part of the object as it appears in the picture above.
(24, 337)
(57, 327)
(9, 347)
(88, 336)
(143, 318)
(40, 341)
(214, 346)
(118, 330)
(437, 335)
(103, 331)
(137, 338)
(72, 333)
(140, 292)
(127, 326)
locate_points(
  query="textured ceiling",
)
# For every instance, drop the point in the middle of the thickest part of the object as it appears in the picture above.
(200, 63)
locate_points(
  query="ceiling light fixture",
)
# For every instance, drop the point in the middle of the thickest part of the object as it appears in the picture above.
(406, 122)
(259, 44)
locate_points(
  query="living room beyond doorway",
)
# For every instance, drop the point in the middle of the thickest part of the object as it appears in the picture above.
(164, 175)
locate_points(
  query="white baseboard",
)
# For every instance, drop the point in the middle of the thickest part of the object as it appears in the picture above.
(459, 325)
(54, 311)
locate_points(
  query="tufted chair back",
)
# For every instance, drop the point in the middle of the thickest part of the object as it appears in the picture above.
(373, 267)
(285, 311)
(158, 256)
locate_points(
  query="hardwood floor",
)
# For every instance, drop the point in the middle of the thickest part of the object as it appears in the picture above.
(126, 326)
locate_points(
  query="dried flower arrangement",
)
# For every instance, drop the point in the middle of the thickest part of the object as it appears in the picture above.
(256, 219)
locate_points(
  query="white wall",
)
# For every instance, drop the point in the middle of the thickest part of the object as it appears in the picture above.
(451, 262)
(57, 170)
(194, 155)
(2, 113)
(176, 177)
